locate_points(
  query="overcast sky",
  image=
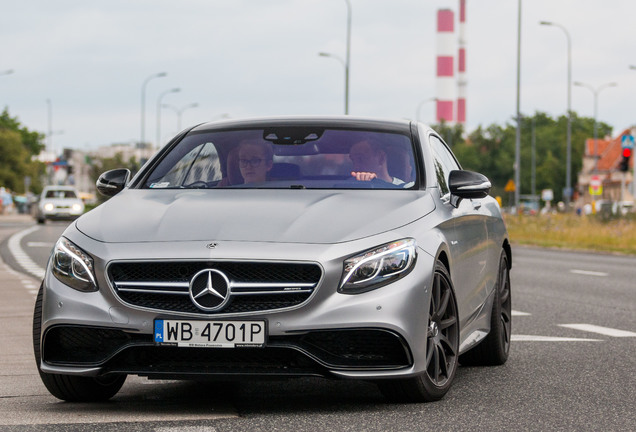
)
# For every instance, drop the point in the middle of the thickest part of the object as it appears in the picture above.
(260, 57)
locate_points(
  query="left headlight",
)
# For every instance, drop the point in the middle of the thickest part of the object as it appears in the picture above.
(72, 266)
(377, 267)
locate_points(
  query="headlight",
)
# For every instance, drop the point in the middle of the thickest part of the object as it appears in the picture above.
(49, 207)
(72, 266)
(76, 208)
(378, 267)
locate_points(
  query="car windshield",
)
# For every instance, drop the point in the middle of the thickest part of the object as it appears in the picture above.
(287, 157)
(54, 193)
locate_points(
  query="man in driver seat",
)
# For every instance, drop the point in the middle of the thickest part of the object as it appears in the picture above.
(370, 161)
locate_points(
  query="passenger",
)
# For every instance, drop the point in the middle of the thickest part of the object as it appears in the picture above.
(370, 162)
(256, 159)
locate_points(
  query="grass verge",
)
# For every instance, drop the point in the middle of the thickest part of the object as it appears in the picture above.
(569, 231)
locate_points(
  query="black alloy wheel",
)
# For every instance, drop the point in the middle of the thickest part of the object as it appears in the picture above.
(442, 348)
(442, 339)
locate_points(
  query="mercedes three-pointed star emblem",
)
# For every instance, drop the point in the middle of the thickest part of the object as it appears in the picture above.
(210, 290)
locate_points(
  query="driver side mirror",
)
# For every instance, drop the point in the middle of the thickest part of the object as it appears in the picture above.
(112, 182)
(467, 184)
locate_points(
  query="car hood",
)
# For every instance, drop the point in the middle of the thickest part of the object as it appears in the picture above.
(289, 216)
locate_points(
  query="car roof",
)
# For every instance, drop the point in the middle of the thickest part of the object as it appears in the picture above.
(365, 123)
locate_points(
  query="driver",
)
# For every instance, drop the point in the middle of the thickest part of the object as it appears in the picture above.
(369, 162)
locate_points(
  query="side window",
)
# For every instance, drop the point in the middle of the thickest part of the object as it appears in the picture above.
(444, 163)
(199, 164)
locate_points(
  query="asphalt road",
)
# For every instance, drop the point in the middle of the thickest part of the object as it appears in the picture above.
(571, 366)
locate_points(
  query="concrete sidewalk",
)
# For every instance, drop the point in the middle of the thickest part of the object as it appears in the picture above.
(16, 218)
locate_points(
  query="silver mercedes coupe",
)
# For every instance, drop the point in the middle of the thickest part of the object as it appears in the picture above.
(337, 247)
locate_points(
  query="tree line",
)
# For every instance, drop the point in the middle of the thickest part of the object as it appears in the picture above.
(491, 151)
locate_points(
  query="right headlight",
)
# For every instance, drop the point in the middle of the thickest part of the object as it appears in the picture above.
(377, 267)
(72, 266)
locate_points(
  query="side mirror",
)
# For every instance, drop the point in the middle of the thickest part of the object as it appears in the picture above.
(467, 184)
(112, 182)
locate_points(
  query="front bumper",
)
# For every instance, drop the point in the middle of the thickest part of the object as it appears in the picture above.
(378, 334)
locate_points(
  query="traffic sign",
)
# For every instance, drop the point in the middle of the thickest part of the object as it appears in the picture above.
(510, 186)
(547, 195)
(627, 141)
(596, 185)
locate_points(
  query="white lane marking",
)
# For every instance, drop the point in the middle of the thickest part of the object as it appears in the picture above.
(532, 338)
(185, 429)
(519, 313)
(21, 257)
(600, 330)
(588, 273)
(28, 284)
(40, 244)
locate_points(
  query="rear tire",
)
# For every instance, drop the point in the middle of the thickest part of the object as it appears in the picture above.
(72, 388)
(494, 349)
(442, 347)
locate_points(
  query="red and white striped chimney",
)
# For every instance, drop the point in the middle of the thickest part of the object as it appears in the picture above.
(446, 85)
(461, 65)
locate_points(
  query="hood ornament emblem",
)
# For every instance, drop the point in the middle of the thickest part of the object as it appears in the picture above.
(211, 245)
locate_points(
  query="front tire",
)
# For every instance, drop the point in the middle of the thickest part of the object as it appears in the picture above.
(442, 347)
(72, 388)
(494, 349)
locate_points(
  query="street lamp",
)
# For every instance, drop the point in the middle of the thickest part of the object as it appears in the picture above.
(174, 90)
(180, 111)
(568, 169)
(347, 61)
(595, 92)
(143, 103)
(517, 166)
(344, 64)
(417, 110)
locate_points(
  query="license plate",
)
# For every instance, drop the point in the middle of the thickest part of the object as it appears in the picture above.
(210, 334)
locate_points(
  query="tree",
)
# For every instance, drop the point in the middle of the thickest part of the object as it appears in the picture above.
(17, 147)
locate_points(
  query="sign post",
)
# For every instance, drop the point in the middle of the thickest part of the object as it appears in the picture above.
(596, 189)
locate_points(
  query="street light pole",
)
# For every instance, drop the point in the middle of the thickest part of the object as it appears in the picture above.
(518, 131)
(417, 111)
(174, 90)
(143, 103)
(180, 112)
(344, 64)
(348, 57)
(634, 168)
(347, 60)
(568, 168)
(595, 92)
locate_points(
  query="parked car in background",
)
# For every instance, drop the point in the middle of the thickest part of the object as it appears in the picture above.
(339, 247)
(59, 203)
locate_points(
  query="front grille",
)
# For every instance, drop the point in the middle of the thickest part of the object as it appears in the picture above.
(255, 286)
